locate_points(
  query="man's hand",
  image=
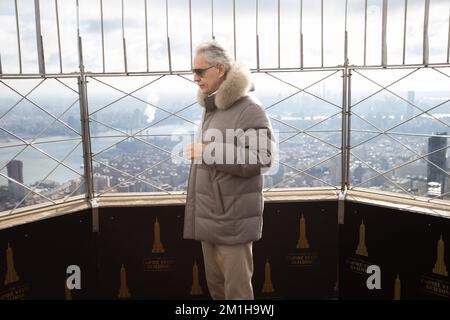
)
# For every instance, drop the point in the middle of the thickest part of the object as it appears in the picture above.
(194, 151)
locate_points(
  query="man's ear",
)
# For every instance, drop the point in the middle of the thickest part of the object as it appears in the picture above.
(221, 68)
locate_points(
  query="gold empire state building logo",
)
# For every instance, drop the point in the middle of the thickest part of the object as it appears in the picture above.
(397, 288)
(362, 249)
(196, 289)
(124, 292)
(302, 242)
(267, 287)
(439, 267)
(157, 245)
(11, 274)
(67, 291)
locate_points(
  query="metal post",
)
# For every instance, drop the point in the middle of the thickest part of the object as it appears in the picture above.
(18, 36)
(190, 30)
(257, 35)
(59, 36)
(168, 38)
(383, 34)
(345, 121)
(124, 41)
(448, 41)
(146, 34)
(365, 32)
(425, 32)
(279, 27)
(212, 20)
(404, 29)
(103, 34)
(301, 34)
(234, 27)
(39, 42)
(321, 32)
(85, 130)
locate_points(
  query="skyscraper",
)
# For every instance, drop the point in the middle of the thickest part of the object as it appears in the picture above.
(15, 171)
(409, 109)
(436, 157)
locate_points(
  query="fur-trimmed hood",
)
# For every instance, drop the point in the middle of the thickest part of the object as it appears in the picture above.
(236, 85)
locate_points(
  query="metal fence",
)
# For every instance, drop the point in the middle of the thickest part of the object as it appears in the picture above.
(70, 112)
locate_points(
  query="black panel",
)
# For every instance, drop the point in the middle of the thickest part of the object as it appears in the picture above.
(399, 242)
(42, 251)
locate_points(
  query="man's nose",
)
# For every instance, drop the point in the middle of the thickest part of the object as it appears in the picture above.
(196, 77)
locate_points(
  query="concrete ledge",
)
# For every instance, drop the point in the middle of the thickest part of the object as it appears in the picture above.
(367, 196)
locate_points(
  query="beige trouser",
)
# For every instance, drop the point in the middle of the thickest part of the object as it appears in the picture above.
(229, 270)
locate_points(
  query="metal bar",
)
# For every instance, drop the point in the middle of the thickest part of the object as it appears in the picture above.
(348, 126)
(404, 29)
(257, 35)
(234, 28)
(103, 34)
(365, 32)
(301, 34)
(59, 36)
(344, 147)
(18, 36)
(190, 31)
(425, 33)
(383, 34)
(86, 138)
(124, 43)
(448, 41)
(279, 36)
(168, 38)
(1, 69)
(212, 20)
(146, 34)
(321, 32)
(40, 45)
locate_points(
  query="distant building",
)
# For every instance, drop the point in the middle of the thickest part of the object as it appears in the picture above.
(437, 164)
(15, 171)
(409, 112)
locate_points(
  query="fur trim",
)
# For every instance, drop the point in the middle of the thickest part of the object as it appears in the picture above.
(235, 86)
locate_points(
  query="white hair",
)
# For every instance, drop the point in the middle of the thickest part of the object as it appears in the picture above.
(215, 54)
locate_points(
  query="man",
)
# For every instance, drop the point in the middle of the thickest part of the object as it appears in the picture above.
(224, 203)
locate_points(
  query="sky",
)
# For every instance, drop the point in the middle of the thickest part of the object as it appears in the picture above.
(202, 30)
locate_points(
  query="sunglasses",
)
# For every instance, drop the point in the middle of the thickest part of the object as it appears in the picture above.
(201, 72)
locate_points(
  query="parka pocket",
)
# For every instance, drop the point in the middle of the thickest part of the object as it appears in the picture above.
(218, 198)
